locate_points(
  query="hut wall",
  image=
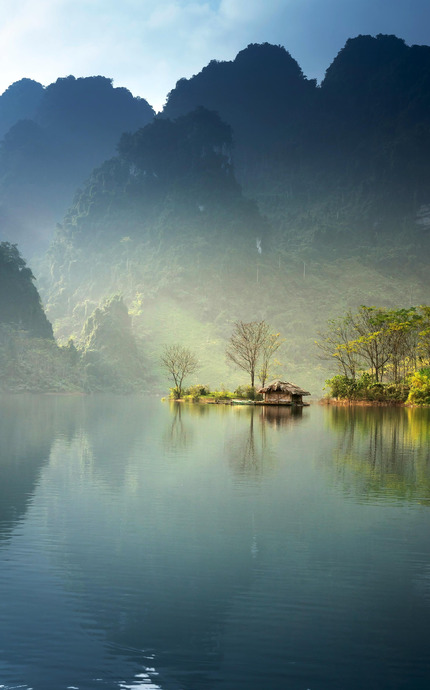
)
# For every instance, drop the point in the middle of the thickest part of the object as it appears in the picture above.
(277, 397)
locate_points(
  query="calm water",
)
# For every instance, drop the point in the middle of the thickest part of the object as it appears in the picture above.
(151, 546)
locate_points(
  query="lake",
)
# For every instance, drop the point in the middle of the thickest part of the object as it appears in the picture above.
(149, 545)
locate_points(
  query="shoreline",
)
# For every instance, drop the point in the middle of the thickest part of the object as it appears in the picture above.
(340, 402)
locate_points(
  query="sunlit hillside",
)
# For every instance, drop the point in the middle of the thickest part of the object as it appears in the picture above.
(257, 194)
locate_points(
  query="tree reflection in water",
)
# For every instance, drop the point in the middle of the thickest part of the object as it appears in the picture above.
(382, 452)
(178, 435)
(250, 452)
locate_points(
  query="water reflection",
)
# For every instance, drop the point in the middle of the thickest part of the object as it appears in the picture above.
(28, 425)
(251, 451)
(278, 416)
(137, 540)
(247, 448)
(382, 452)
(178, 435)
(111, 429)
(167, 569)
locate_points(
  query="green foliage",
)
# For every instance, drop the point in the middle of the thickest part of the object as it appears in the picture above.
(221, 395)
(197, 391)
(174, 393)
(247, 392)
(365, 388)
(342, 387)
(387, 343)
(419, 393)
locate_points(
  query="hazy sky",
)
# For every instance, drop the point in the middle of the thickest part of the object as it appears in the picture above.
(147, 45)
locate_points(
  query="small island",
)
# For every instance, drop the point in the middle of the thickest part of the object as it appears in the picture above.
(251, 347)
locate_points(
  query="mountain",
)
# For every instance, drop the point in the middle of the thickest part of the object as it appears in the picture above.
(337, 166)
(20, 305)
(257, 194)
(53, 138)
(20, 101)
(110, 353)
(163, 223)
(262, 94)
(170, 192)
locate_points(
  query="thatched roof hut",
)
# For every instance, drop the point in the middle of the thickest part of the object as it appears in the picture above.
(284, 393)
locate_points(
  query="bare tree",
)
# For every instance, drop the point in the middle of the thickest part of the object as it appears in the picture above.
(246, 344)
(271, 345)
(338, 344)
(179, 362)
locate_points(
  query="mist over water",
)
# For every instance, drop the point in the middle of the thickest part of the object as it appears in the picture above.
(188, 546)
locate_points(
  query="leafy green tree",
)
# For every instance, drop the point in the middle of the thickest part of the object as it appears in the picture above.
(387, 340)
(419, 393)
(402, 332)
(389, 343)
(178, 362)
(423, 345)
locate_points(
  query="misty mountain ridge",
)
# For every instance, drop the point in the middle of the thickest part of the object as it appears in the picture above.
(348, 156)
(52, 138)
(255, 194)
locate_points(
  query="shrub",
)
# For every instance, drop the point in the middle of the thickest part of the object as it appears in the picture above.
(196, 391)
(397, 392)
(222, 395)
(342, 387)
(247, 392)
(366, 388)
(419, 393)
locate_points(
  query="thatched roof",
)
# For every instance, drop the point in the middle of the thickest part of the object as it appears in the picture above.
(283, 387)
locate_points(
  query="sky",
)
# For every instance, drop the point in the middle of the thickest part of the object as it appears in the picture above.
(147, 45)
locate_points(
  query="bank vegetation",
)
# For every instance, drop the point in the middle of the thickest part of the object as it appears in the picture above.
(381, 355)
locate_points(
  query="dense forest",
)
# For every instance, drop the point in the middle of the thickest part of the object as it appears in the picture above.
(255, 194)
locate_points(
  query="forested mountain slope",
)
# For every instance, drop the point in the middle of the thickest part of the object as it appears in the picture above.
(20, 305)
(52, 139)
(340, 167)
(168, 200)
(256, 195)
(165, 223)
(29, 358)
